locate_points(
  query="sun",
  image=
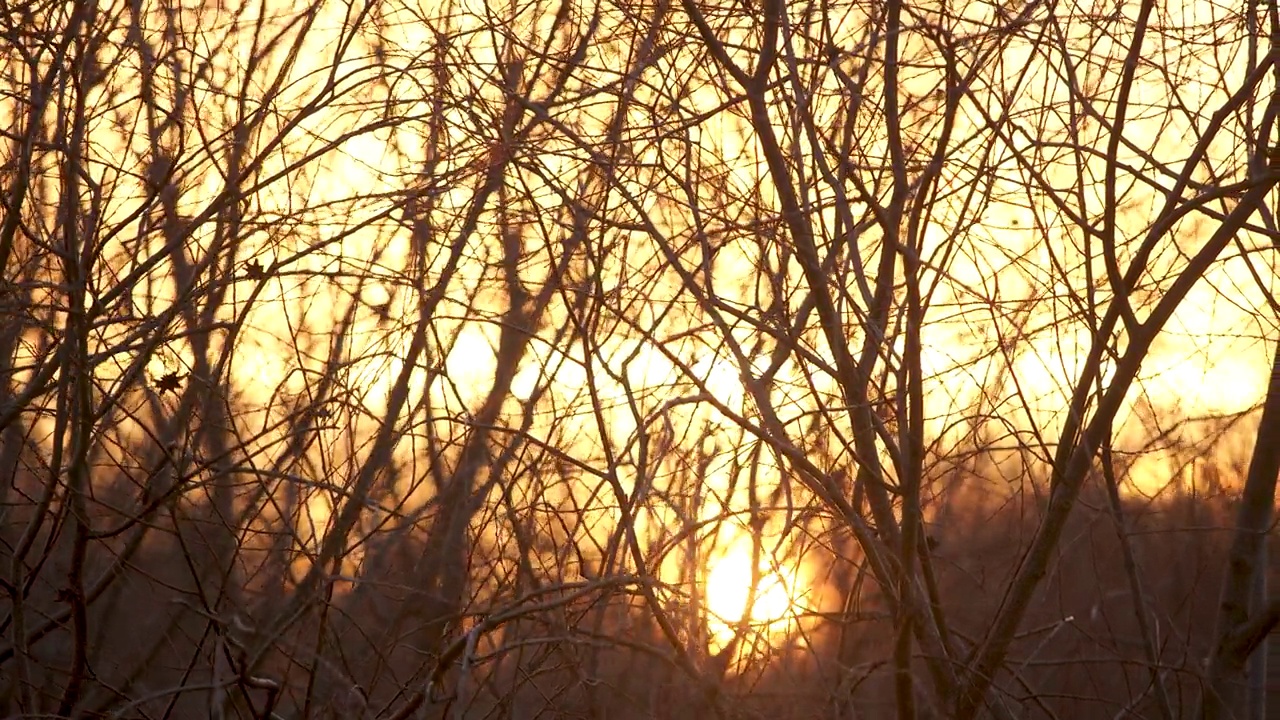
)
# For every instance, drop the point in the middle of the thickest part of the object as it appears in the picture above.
(728, 590)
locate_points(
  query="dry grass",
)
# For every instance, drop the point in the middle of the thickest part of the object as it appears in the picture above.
(598, 654)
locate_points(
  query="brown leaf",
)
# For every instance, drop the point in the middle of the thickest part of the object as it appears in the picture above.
(254, 270)
(169, 382)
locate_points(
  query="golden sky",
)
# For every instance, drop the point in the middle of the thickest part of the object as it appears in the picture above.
(649, 184)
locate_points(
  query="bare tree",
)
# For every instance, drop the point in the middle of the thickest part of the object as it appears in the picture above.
(635, 359)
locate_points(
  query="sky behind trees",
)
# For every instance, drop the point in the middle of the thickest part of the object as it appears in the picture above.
(383, 351)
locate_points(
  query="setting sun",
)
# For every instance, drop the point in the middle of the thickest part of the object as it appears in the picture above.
(729, 585)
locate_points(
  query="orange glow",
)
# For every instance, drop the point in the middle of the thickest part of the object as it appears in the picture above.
(768, 607)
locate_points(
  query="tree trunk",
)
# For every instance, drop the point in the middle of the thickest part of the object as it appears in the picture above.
(1227, 692)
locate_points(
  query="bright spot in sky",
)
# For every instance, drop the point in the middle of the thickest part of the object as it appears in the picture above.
(729, 588)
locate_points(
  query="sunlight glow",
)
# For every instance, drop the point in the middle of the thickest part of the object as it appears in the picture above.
(728, 591)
